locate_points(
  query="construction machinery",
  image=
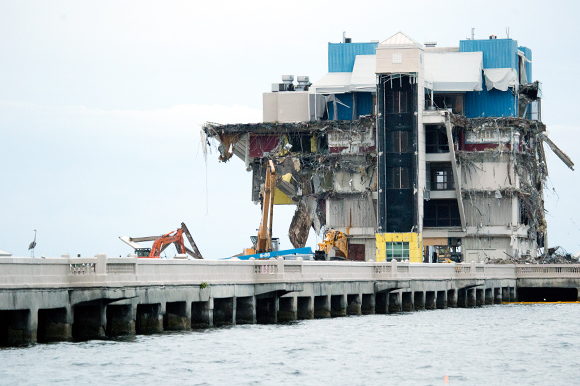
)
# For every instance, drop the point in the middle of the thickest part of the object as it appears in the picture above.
(160, 243)
(334, 241)
(263, 242)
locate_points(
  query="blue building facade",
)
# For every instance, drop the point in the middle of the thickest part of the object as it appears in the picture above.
(497, 53)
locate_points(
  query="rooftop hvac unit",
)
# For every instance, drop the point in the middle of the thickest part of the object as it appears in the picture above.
(277, 87)
(303, 82)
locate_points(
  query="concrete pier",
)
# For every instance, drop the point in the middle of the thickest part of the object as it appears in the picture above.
(322, 306)
(121, 319)
(395, 302)
(305, 307)
(63, 299)
(441, 302)
(149, 319)
(287, 309)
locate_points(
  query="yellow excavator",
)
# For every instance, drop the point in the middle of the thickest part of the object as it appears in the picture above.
(263, 242)
(334, 239)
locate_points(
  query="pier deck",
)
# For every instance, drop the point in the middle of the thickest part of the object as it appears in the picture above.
(56, 299)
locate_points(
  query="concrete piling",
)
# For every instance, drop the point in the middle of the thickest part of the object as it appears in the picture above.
(461, 298)
(441, 302)
(382, 302)
(54, 325)
(430, 300)
(407, 301)
(89, 322)
(505, 294)
(121, 319)
(149, 319)
(489, 296)
(497, 295)
(471, 297)
(479, 297)
(368, 304)
(305, 307)
(395, 302)
(202, 314)
(177, 316)
(322, 306)
(287, 311)
(246, 310)
(267, 310)
(337, 305)
(223, 311)
(419, 300)
(452, 298)
(354, 304)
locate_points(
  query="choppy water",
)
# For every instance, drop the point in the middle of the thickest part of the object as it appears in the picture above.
(494, 345)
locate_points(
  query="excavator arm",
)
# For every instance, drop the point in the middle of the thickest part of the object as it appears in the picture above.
(264, 240)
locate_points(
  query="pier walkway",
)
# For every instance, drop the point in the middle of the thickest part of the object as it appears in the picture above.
(61, 299)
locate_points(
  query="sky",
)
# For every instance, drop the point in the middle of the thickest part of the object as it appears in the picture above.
(101, 105)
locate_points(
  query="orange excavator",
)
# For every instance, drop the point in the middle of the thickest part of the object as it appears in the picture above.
(160, 243)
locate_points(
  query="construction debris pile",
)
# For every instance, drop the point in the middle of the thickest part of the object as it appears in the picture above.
(556, 255)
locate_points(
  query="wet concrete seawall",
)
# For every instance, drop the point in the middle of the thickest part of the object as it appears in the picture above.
(62, 299)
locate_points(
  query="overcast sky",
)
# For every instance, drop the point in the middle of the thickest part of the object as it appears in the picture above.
(101, 105)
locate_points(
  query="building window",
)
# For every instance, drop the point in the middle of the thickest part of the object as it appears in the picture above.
(442, 177)
(450, 102)
(399, 102)
(398, 178)
(441, 213)
(397, 250)
(399, 140)
(436, 140)
(397, 58)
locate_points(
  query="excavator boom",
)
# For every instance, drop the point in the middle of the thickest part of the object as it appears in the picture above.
(264, 241)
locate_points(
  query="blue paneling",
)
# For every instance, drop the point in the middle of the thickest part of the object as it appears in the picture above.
(341, 56)
(344, 113)
(497, 53)
(528, 53)
(493, 103)
(364, 103)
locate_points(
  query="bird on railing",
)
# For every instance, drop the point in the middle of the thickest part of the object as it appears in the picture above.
(32, 245)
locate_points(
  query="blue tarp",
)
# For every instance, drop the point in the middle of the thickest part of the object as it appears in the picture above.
(267, 255)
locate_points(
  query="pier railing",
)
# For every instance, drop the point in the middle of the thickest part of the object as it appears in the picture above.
(24, 272)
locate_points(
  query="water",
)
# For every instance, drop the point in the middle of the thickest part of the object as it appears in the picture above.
(494, 345)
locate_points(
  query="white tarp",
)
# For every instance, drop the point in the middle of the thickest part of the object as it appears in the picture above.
(332, 83)
(363, 74)
(501, 78)
(454, 71)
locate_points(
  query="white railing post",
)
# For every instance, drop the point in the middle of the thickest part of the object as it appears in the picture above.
(394, 268)
(101, 264)
(280, 267)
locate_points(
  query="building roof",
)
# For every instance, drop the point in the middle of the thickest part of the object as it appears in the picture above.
(454, 71)
(5, 254)
(399, 39)
(332, 83)
(363, 74)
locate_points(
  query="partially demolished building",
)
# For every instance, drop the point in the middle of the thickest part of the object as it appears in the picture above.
(414, 151)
